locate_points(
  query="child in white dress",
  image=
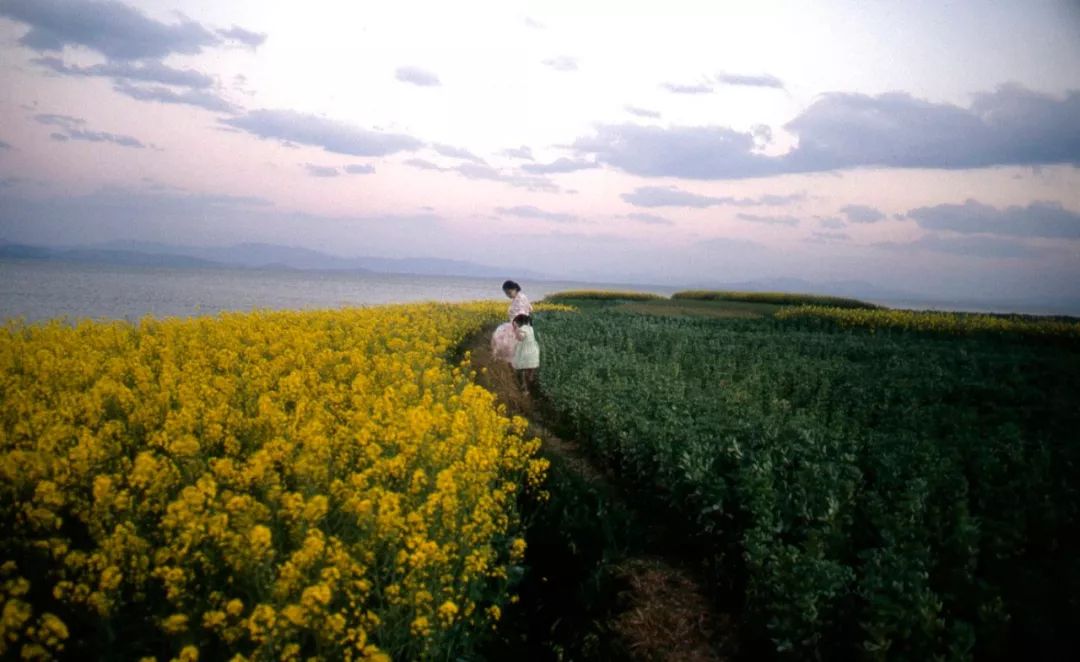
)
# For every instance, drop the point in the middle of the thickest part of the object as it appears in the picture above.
(526, 352)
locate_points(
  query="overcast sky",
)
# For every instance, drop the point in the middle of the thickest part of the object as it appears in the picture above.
(925, 146)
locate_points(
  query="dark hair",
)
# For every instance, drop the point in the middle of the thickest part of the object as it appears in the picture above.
(522, 320)
(511, 285)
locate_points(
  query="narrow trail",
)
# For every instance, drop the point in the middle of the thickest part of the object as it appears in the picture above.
(661, 609)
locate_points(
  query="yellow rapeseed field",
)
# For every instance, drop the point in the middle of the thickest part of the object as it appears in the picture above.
(267, 485)
(947, 323)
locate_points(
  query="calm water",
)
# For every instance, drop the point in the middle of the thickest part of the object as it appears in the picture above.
(38, 290)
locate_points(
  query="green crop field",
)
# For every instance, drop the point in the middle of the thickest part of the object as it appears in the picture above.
(778, 298)
(864, 495)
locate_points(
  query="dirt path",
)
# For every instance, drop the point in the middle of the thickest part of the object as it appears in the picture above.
(662, 610)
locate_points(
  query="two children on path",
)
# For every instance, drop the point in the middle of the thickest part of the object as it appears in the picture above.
(515, 341)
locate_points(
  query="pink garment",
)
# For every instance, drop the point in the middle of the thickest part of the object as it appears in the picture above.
(519, 305)
(503, 342)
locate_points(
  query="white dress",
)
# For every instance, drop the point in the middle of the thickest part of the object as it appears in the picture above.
(503, 340)
(527, 350)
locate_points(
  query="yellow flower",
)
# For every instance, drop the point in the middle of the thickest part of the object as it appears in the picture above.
(189, 654)
(447, 611)
(234, 607)
(517, 550)
(175, 624)
(260, 536)
(307, 457)
(420, 627)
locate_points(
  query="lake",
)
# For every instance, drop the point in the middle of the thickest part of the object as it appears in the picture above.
(39, 290)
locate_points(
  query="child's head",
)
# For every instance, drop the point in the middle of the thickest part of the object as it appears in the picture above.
(510, 288)
(522, 320)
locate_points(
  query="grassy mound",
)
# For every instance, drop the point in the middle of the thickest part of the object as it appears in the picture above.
(779, 298)
(944, 323)
(601, 295)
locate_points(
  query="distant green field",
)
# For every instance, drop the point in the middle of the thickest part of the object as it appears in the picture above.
(779, 298)
(693, 308)
(671, 307)
(938, 322)
(600, 295)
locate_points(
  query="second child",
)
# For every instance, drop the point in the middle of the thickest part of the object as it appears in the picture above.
(526, 352)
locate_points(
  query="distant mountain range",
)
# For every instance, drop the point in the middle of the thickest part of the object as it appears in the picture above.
(252, 256)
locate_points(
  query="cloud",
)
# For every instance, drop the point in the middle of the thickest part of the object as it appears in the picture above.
(762, 134)
(670, 196)
(108, 27)
(734, 247)
(832, 223)
(53, 119)
(422, 164)
(696, 88)
(332, 171)
(534, 24)
(558, 166)
(763, 80)
(529, 211)
(103, 136)
(417, 76)
(1010, 126)
(1037, 219)
(145, 71)
(651, 219)
(769, 220)
(981, 247)
(771, 200)
(642, 112)
(73, 129)
(562, 63)
(830, 236)
(532, 183)
(331, 135)
(456, 153)
(988, 247)
(522, 152)
(250, 39)
(321, 171)
(686, 152)
(483, 171)
(198, 98)
(862, 214)
(4, 146)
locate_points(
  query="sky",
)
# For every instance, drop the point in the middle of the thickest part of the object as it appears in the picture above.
(928, 147)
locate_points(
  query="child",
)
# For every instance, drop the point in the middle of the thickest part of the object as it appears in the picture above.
(526, 352)
(504, 340)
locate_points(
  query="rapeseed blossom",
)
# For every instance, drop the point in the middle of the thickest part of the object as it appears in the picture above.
(937, 322)
(258, 485)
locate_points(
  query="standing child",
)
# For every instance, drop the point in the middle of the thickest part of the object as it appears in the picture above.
(526, 352)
